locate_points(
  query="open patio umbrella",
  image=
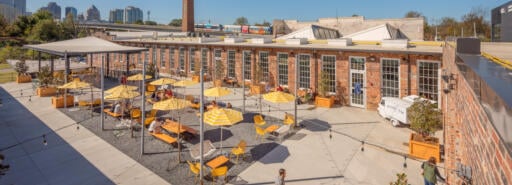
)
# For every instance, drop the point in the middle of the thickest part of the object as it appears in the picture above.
(121, 88)
(279, 97)
(74, 85)
(222, 117)
(138, 77)
(216, 92)
(163, 81)
(184, 83)
(173, 104)
(124, 94)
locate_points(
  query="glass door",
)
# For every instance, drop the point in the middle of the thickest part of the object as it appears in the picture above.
(357, 82)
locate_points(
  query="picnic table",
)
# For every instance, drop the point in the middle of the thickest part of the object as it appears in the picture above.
(177, 128)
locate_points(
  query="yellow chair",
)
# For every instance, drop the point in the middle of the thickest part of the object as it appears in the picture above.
(239, 150)
(194, 168)
(96, 102)
(152, 113)
(151, 88)
(135, 113)
(260, 132)
(148, 121)
(289, 119)
(82, 103)
(258, 120)
(217, 172)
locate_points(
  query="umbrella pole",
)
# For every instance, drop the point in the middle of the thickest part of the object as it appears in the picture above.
(92, 102)
(179, 140)
(221, 152)
(143, 107)
(102, 84)
(201, 128)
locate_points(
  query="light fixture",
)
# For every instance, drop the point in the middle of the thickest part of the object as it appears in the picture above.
(44, 140)
(405, 161)
(372, 58)
(362, 146)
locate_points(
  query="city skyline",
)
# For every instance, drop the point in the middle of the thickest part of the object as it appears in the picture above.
(222, 11)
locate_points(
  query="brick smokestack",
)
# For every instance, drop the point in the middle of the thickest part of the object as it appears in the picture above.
(188, 16)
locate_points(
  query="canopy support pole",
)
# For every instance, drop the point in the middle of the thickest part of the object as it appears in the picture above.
(66, 78)
(243, 83)
(52, 65)
(296, 90)
(143, 107)
(127, 63)
(39, 61)
(102, 84)
(201, 127)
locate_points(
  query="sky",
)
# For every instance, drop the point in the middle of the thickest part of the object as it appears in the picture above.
(257, 11)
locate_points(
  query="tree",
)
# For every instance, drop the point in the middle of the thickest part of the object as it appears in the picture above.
(448, 27)
(241, 21)
(45, 31)
(119, 22)
(45, 76)
(69, 28)
(265, 23)
(139, 22)
(3, 25)
(150, 23)
(474, 21)
(413, 14)
(424, 117)
(176, 22)
(21, 67)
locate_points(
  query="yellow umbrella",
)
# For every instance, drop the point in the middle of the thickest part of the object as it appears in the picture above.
(74, 85)
(216, 92)
(222, 117)
(121, 88)
(171, 104)
(125, 94)
(137, 77)
(184, 83)
(279, 97)
(163, 81)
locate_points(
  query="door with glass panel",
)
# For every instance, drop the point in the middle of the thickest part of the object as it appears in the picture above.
(357, 82)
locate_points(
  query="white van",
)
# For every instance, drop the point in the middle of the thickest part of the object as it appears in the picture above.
(395, 109)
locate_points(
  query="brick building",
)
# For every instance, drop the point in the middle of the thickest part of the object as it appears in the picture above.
(359, 74)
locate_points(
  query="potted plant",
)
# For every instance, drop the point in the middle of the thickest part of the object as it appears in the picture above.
(21, 68)
(425, 119)
(45, 77)
(401, 179)
(219, 73)
(323, 99)
(256, 86)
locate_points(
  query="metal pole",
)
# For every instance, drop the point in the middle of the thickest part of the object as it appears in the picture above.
(243, 83)
(127, 63)
(65, 78)
(52, 65)
(201, 127)
(296, 90)
(143, 107)
(102, 85)
(39, 61)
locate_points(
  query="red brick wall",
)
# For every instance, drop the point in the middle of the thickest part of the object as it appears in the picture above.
(408, 67)
(469, 135)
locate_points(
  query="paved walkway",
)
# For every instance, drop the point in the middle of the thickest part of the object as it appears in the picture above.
(71, 156)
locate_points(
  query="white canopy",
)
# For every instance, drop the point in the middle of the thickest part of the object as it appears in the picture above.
(81, 46)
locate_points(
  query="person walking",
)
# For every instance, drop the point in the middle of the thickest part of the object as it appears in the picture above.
(430, 172)
(280, 178)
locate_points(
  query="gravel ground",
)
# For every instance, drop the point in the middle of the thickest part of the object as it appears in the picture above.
(162, 158)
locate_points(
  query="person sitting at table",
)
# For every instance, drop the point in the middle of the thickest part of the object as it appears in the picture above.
(155, 126)
(117, 108)
(229, 106)
(168, 93)
(154, 97)
(279, 88)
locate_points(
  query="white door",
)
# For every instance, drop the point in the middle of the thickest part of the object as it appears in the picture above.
(357, 82)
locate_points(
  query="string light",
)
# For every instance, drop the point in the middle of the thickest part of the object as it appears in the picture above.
(330, 134)
(405, 161)
(44, 140)
(29, 98)
(362, 146)
(77, 126)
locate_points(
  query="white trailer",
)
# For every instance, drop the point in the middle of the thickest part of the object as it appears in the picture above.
(395, 109)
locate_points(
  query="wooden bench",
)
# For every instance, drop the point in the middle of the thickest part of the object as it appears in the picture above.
(165, 138)
(218, 161)
(172, 126)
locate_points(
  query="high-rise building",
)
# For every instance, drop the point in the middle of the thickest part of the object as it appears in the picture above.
(501, 23)
(81, 17)
(54, 9)
(11, 9)
(92, 14)
(71, 10)
(132, 14)
(116, 15)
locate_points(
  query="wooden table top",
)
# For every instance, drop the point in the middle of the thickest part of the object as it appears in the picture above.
(218, 161)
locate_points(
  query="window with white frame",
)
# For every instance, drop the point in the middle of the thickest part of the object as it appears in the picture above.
(182, 59)
(282, 68)
(304, 72)
(329, 69)
(390, 78)
(428, 79)
(171, 58)
(162, 60)
(264, 66)
(192, 59)
(204, 59)
(247, 65)
(231, 64)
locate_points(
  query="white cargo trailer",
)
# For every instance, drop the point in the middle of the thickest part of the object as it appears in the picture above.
(395, 109)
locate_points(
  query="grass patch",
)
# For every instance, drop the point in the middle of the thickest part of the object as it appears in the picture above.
(7, 76)
(5, 66)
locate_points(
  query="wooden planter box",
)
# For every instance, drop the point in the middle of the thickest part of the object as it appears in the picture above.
(195, 78)
(23, 79)
(424, 150)
(257, 89)
(217, 83)
(326, 102)
(46, 91)
(58, 101)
